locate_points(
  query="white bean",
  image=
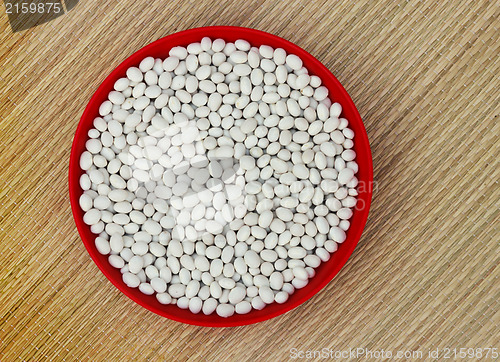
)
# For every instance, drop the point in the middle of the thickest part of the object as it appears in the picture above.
(220, 176)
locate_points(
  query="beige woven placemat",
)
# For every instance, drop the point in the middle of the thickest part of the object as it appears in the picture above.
(424, 76)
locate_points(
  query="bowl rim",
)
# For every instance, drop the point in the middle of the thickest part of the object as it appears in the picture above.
(303, 295)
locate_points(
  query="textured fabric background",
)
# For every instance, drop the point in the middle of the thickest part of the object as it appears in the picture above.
(425, 275)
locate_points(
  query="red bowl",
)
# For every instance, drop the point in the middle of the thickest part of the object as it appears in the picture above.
(325, 272)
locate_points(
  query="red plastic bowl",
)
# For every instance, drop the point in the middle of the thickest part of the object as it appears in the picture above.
(325, 272)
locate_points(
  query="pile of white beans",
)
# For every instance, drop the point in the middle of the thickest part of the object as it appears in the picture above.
(219, 178)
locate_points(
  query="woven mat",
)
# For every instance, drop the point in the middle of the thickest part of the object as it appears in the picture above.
(425, 275)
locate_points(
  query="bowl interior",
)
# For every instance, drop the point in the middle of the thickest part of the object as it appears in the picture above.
(325, 272)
